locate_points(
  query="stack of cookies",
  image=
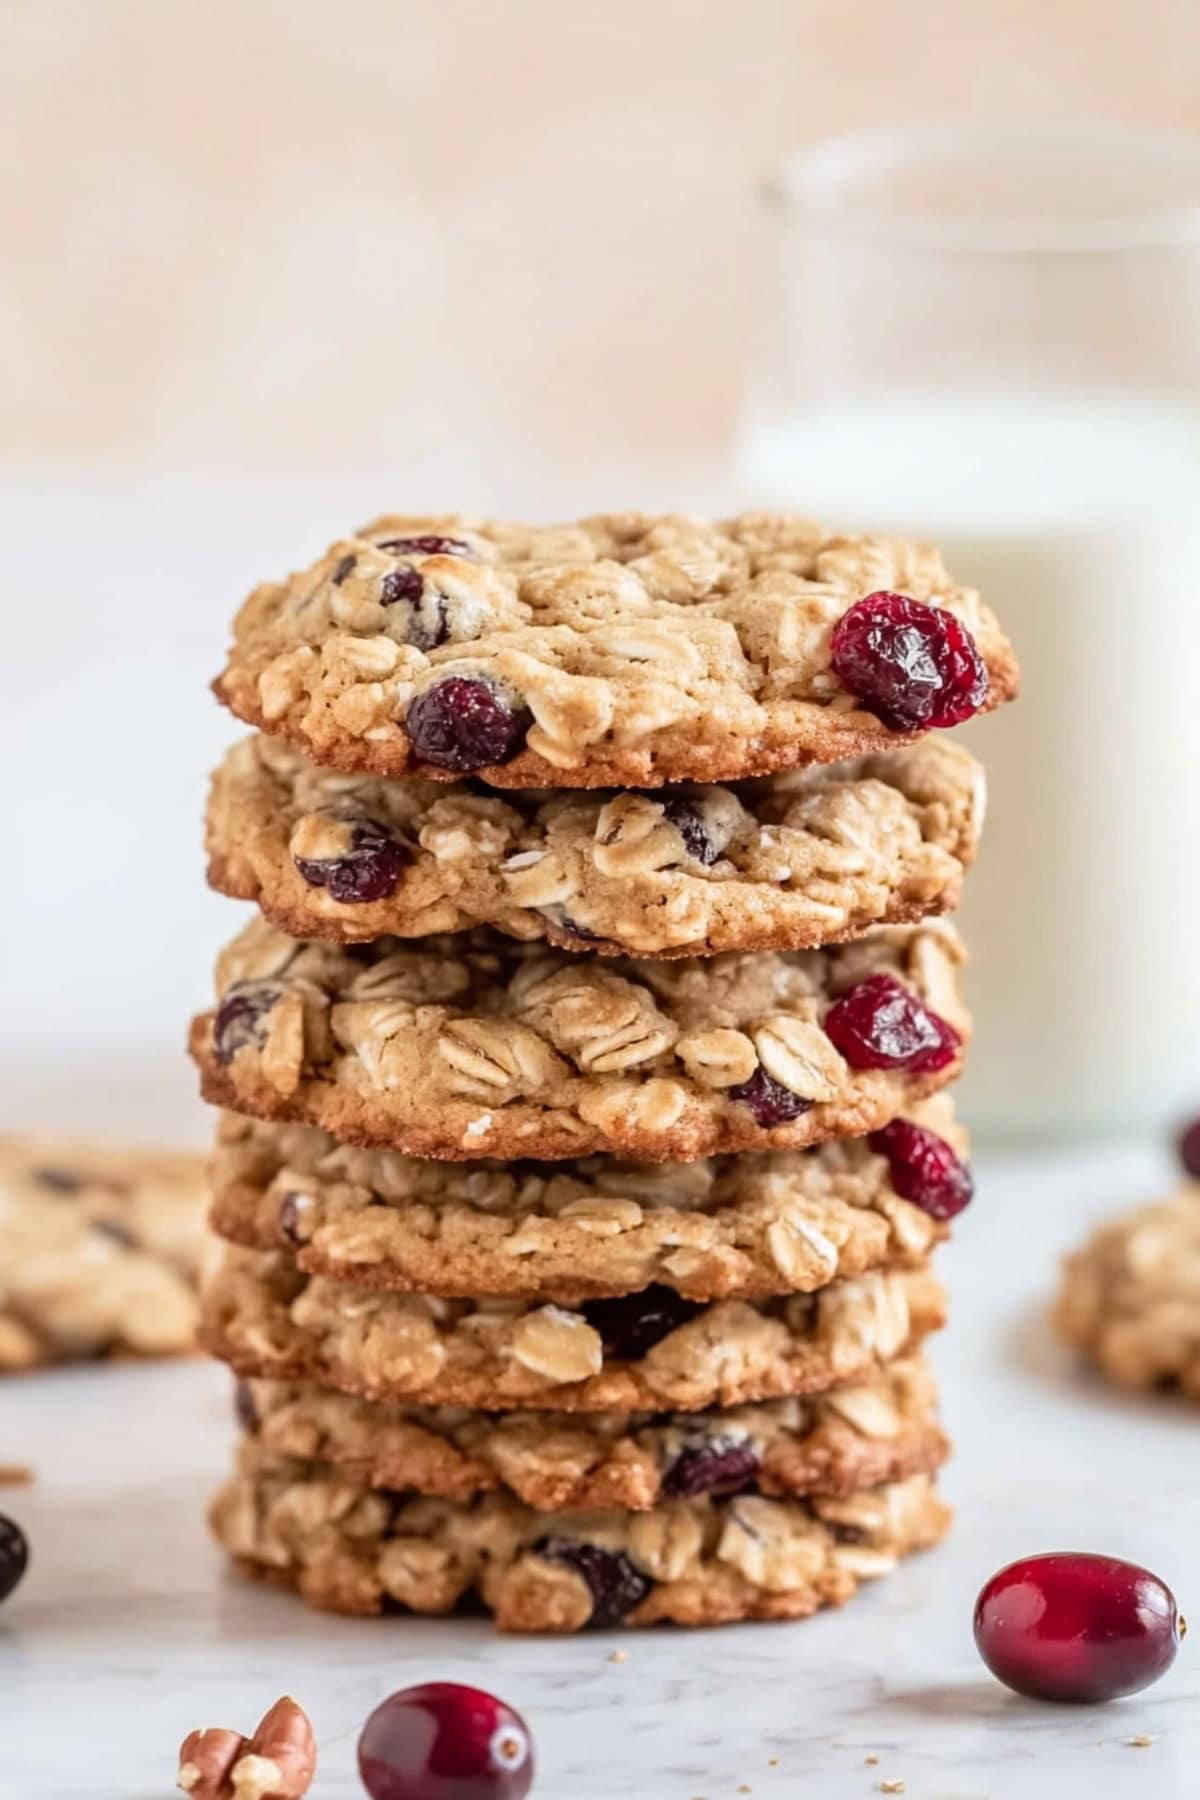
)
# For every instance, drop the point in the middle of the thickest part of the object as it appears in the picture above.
(585, 1143)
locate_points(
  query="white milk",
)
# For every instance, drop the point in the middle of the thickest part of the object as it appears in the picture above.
(1079, 518)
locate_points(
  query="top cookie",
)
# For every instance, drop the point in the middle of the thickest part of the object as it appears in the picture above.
(625, 650)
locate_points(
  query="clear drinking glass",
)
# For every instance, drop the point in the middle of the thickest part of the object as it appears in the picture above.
(991, 338)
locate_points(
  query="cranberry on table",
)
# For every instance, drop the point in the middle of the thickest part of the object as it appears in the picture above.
(924, 1168)
(14, 1555)
(768, 1100)
(443, 1741)
(916, 667)
(463, 722)
(880, 1024)
(1074, 1627)
(1189, 1149)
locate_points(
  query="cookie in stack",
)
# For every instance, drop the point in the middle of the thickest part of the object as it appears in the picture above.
(584, 1142)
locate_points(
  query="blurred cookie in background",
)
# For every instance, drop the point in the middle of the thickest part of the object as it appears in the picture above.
(101, 1248)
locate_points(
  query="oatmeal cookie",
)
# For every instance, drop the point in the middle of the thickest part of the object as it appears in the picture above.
(696, 1561)
(623, 651)
(810, 857)
(476, 1046)
(1130, 1298)
(100, 1251)
(739, 1227)
(265, 1317)
(852, 1437)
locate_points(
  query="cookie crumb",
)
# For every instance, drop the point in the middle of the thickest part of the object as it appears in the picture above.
(772, 1762)
(1140, 1742)
(618, 1656)
(893, 1787)
(745, 1788)
(15, 1475)
(872, 1761)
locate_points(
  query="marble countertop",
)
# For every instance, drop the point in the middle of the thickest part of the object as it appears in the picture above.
(127, 1632)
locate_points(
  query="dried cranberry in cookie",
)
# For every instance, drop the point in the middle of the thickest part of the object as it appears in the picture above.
(768, 1100)
(914, 666)
(924, 1168)
(616, 1585)
(722, 1462)
(465, 722)
(686, 813)
(360, 860)
(425, 545)
(880, 1024)
(631, 1325)
(241, 1018)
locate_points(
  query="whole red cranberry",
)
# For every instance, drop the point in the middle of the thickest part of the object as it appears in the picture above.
(1075, 1627)
(914, 666)
(443, 1741)
(1189, 1149)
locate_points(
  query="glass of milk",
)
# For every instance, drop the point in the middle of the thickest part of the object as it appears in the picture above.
(991, 339)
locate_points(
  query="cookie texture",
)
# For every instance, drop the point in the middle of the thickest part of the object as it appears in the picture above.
(853, 1437)
(624, 651)
(475, 1046)
(1130, 1298)
(697, 1561)
(805, 858)
(739, 1227)
(264, 1317)
(101, 1249)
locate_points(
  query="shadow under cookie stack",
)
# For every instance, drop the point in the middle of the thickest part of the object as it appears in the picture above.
(585, 1144)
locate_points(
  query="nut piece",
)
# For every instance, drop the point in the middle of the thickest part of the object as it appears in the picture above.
(277, 1763)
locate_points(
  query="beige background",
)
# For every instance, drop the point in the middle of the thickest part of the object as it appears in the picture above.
(299, 234)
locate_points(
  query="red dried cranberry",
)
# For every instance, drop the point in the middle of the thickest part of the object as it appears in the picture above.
(367, 870)
(1189, 1149)
(616, 1585)
(924, 1168)
(1074, 1627)
(463, 722)
(241, 1018)
(631, 1324)
(769, 1101)
(425, 546)
(14, 1555)
(880, 1024)
(401, 584)
(914, 666)
(443, 1741)
(688, 820)
(289, 1217)
(709, 1465)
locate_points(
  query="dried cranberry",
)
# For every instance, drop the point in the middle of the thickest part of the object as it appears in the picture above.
(14, 1555)
(769, 1101)
(631, 1324)
(425, 546)
(709, 1464)
(463, 722)
(685, 815)
(289, 1216)
(880, 1024)
(1074, 1627)
(616, 1585)
(344, 567)
(1189, 1149)
(241, 1017)
(367, 870)
(914, 666)
(245, 1411)
(60, 1181)
(924, 1168)
(443, 1741)
(401, 584)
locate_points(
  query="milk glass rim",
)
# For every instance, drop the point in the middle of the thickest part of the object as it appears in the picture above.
(808, 187)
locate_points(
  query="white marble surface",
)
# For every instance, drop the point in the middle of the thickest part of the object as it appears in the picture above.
(127, 1632)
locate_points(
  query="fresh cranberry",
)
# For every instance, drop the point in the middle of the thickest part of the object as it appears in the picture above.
(709, 1464)
(688, 820)
(443, 1741)
(768, 1099)
(1075, 1627)
(924, 1168)
(616, 1585)
(1189, 1149)
(632, 1324)
(462, 722)
(914, 666)
(14, 1555)
(401, 584)
(880, 1024)
(425, 546)
(368, 870)
(241, 1017)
